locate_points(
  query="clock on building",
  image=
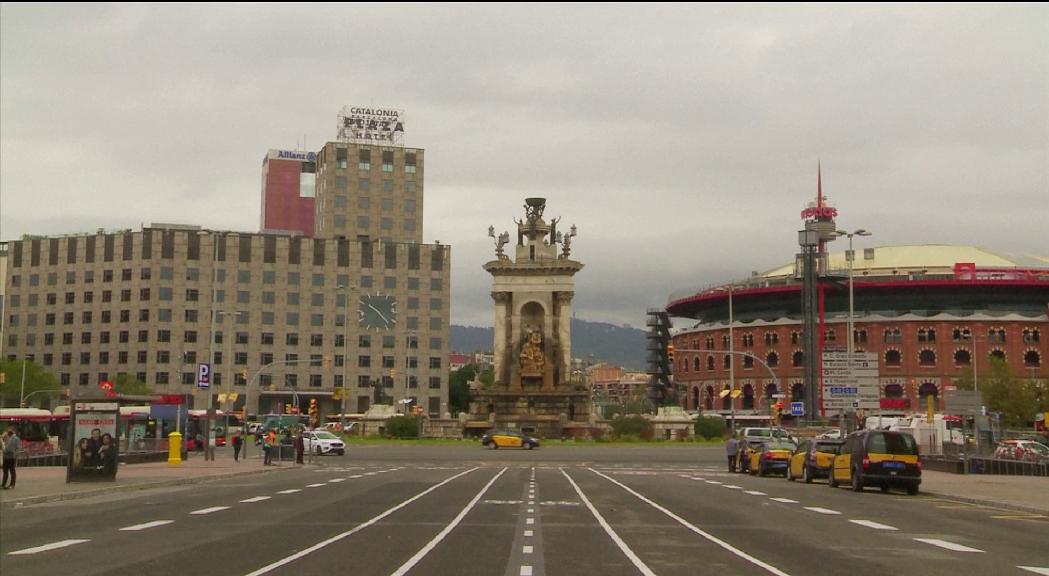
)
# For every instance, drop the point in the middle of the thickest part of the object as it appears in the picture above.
(378, 311)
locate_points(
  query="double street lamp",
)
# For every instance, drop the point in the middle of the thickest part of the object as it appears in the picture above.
(347, 290)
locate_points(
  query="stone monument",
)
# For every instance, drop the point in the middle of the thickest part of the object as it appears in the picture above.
(533, 390)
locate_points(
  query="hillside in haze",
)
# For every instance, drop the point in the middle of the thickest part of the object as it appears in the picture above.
(621, 345)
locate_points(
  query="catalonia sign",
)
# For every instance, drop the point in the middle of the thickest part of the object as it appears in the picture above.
(371, 125)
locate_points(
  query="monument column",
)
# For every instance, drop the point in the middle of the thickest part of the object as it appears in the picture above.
(564, 331)
(502, 320)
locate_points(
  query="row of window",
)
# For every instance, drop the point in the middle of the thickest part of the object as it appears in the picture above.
(266, 318)
(246, 246)
(365, 185)
(166, 294)
(268, 277)
(240, 359)
(1032, 359)
(191, 336)
(890, 336)
(265, 380)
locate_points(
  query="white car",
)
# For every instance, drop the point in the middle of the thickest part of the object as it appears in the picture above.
(322, 442)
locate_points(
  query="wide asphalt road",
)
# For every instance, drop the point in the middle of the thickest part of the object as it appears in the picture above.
(605, 510)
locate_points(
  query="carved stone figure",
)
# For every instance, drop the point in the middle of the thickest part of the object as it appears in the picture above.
(532, 360)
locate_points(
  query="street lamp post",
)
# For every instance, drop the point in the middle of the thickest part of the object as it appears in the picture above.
(850, 257)
(21, 395)
(229, 361)
(209, 452)
(347, 289)
(732, 360)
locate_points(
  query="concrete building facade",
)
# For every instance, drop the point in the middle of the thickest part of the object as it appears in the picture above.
(288, 191)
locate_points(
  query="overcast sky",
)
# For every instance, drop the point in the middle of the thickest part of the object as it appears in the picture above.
(681, 140)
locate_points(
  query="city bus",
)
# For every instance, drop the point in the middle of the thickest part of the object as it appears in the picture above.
(33, 426)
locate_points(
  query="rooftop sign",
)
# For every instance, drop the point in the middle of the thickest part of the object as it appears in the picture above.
(292, 155)
(371, 125)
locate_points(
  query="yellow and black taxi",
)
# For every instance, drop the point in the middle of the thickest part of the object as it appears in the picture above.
(505, 439)
(772, 456)
(746, 447)
(878, 458)
(813, 459)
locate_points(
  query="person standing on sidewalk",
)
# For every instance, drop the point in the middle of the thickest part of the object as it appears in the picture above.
(300, 447)
(238, 443)
(12, 444)
(731, 447)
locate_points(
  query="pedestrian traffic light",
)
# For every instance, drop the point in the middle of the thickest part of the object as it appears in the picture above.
(670, 353)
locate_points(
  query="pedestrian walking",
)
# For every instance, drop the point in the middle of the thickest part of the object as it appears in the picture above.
(300, 447)
(12, 444)
(269, 443)
(731, 447)
(238, 443)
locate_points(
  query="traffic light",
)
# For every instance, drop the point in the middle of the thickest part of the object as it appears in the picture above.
(315, 415)
(287, 408)
(670, 353)
(244, 375)
(393, 374)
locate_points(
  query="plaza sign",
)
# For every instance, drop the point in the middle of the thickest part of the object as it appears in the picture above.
(371, 125)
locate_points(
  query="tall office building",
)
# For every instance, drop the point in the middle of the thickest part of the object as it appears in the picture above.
(369, 191)
(288, 191)
(362, 306)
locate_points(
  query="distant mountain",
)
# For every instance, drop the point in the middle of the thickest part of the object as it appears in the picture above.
(620, 345)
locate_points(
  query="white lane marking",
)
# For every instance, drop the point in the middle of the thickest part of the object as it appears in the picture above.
(516, 502)
(948, 545)
(526, 571)
(290, 491)
(203, 511)
(768, 567)
(316, 485)
(529, 521)
(784, 500)
(336, 480)
(358, 528)
(1036, 570)
(529, 533)
(531, 510)
(46, 547)
(146, 526)
(875, 525)
(447, 529)
(356, 476)
(526, 550)
(712, 482)
(699, 478)
(641, 566)
(822, 510)
(754, 493)
(256, 499)
(732, 486)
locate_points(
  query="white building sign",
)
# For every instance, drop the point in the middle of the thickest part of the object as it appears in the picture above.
(371, 125)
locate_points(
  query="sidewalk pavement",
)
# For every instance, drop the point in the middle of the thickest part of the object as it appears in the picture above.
(1020, 493)
(48, 483)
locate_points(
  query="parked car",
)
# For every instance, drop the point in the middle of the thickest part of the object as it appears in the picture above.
(1026, 450)
(771, 456)
(504, 439)
(832, 434)
(813, 459)
(322, 442)
(878, 458)
(744, 452)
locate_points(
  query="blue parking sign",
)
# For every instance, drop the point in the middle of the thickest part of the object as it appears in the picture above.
(203, 375)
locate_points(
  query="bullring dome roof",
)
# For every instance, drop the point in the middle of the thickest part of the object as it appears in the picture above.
(929, 258)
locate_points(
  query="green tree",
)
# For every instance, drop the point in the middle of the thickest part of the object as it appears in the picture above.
(459, 388)
(1017, 400)
(128, 384)
(37, 379)
(634, 426)
(402, 427)
(709, 427)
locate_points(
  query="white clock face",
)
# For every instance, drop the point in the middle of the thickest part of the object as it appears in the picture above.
(378, 311)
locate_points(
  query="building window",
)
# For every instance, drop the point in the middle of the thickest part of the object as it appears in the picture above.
(771, 338)
(1032, 336)
(893, 358)
(996, 336)
(962, 358)
(798, 359)
(772, 359)
(927, 358)
(1032, 359)
(893, 336)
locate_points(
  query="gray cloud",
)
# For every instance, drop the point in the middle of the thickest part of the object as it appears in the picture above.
(682, 140)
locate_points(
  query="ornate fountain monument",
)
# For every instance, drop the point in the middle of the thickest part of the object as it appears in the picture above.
(533, 391)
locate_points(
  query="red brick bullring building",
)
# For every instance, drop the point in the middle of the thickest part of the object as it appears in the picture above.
(927, 311)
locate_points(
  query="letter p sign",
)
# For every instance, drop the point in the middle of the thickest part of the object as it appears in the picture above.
(203, 376)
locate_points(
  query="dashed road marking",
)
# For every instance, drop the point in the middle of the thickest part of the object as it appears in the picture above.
(336, 480)
(203, 511)
(732, 486)
(784, 500)
(754, 493)
(948, 545)
(46, 547)
(875, 525)
(823, 510)
(712, 482)
(526, 549)
(146, 526)
(316, 485)
(526, 571)
(290, 491)
(529, 533)
(529, 521)
(256, 499)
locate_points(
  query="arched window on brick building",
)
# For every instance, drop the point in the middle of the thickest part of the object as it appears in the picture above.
(927, 358)
(893, 358)
(962, 358)
(798, 359)
(1032, 359)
